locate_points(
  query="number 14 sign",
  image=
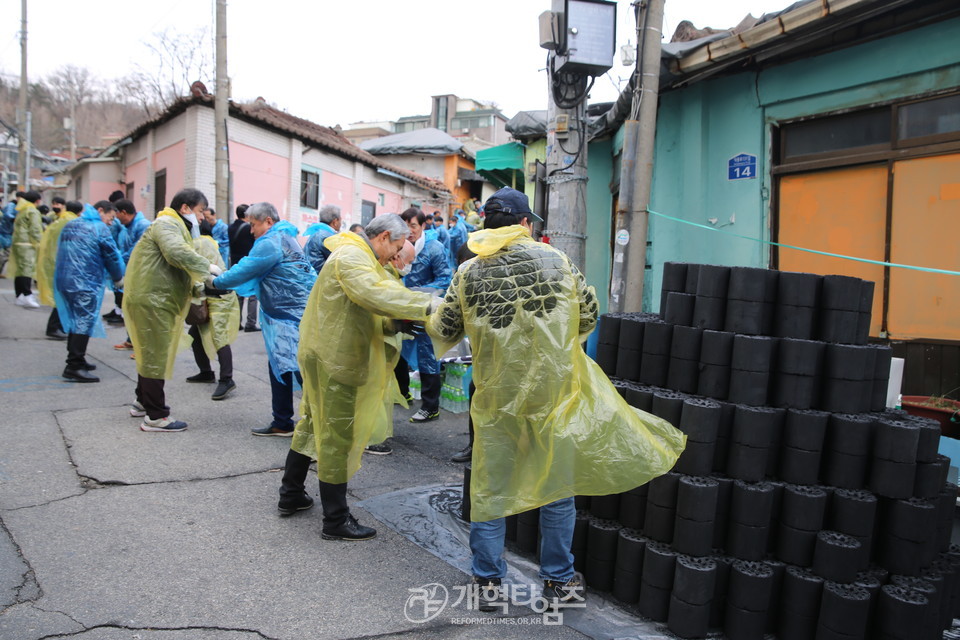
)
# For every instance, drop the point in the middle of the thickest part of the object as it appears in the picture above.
(741, 167)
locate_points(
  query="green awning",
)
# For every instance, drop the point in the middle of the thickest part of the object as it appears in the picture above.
(502, 165)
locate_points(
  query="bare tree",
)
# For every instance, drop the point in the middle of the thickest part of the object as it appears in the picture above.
(177, 61)
(72, 85)
(71, 88)
(135, 89)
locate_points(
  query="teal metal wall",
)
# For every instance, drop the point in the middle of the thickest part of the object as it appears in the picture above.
(699, 128)
(599, 219)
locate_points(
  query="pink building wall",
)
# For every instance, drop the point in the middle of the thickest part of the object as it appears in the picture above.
(392, 202)
(260, 176)
(338, 190)
(101, 190)
(137, 174)
(172, 159)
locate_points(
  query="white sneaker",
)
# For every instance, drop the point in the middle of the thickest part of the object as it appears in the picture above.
(137, 410)
(163, 424)
(27, 301)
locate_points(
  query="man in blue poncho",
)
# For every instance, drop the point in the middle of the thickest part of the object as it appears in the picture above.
(6, 228)
(129, 227)
(86, 256)
(277, 273)
(458, 237)
(220, 233)
(330, 221)
(429, 270)
(443, 236)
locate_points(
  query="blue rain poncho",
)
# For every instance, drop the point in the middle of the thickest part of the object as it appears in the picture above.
(430, 269)
(548, 423)
(87, 258)
(276, 272)
(314, 251)
(347, 360)
(159, 284)
(443, 236)
(458, 238)
(129, 235)
(27, 230)
(222, 237)
(6, 224)
(47, 257)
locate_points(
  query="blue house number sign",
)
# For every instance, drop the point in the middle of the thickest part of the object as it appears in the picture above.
(742, 167)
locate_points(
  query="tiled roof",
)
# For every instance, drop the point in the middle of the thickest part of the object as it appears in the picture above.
(316, 135)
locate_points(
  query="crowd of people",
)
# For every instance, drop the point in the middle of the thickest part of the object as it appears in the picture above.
(345, 317)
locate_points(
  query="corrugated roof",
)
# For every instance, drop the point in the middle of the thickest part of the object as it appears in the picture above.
(429, 141)
(260, 113)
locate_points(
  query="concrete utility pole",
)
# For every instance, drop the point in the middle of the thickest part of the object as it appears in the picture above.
(636, 171)
(23, 166)
(567, 179)
(220, 112)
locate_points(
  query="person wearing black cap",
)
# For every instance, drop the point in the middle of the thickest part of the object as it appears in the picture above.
(548, 424)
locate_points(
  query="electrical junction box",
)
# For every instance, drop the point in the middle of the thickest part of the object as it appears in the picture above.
(587, 36)
(549, 30)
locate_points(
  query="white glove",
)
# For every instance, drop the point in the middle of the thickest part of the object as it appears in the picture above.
(434, 305)
(215, 270)
(118, 284)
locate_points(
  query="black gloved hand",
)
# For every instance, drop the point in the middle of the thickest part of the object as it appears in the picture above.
(210, 291)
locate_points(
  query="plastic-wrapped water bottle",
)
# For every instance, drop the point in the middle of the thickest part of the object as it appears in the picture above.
(461, 400)
(445, 399)
(415, 385)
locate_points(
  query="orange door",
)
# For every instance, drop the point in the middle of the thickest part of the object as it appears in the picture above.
(839, 211)
(925, 232)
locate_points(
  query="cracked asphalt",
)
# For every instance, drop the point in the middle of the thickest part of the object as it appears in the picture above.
(110, 533)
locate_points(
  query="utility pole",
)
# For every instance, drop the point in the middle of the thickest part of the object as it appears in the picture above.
(566, 151)
(23, 166)
(220, 112)
(636, 171)
(567, 179)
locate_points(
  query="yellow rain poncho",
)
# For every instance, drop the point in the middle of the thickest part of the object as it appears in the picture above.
(47, 257)
(157, 290)
(347, 395)
(27, 231)
(548, 423)
(224, 322)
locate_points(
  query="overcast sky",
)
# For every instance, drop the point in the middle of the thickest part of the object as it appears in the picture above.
(339, 62)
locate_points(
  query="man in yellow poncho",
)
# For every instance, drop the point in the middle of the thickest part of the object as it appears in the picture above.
(548, 423)
(214, 337)
(158, 288)
(346, 369)
(47, 261)
(27, 231)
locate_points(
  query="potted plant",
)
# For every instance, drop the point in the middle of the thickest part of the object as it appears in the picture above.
(944, 410)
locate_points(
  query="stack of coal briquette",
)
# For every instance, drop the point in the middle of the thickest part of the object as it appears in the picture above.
(801, 507)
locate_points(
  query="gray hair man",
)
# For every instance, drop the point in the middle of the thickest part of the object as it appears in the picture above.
(348, 391)
(277, 273)
(314, 251)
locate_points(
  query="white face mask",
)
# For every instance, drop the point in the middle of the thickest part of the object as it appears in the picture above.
(406, 270)
(418, 245)
(195, 228)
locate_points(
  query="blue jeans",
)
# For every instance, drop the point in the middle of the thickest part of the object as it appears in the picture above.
(281, 393)
(556, 530)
